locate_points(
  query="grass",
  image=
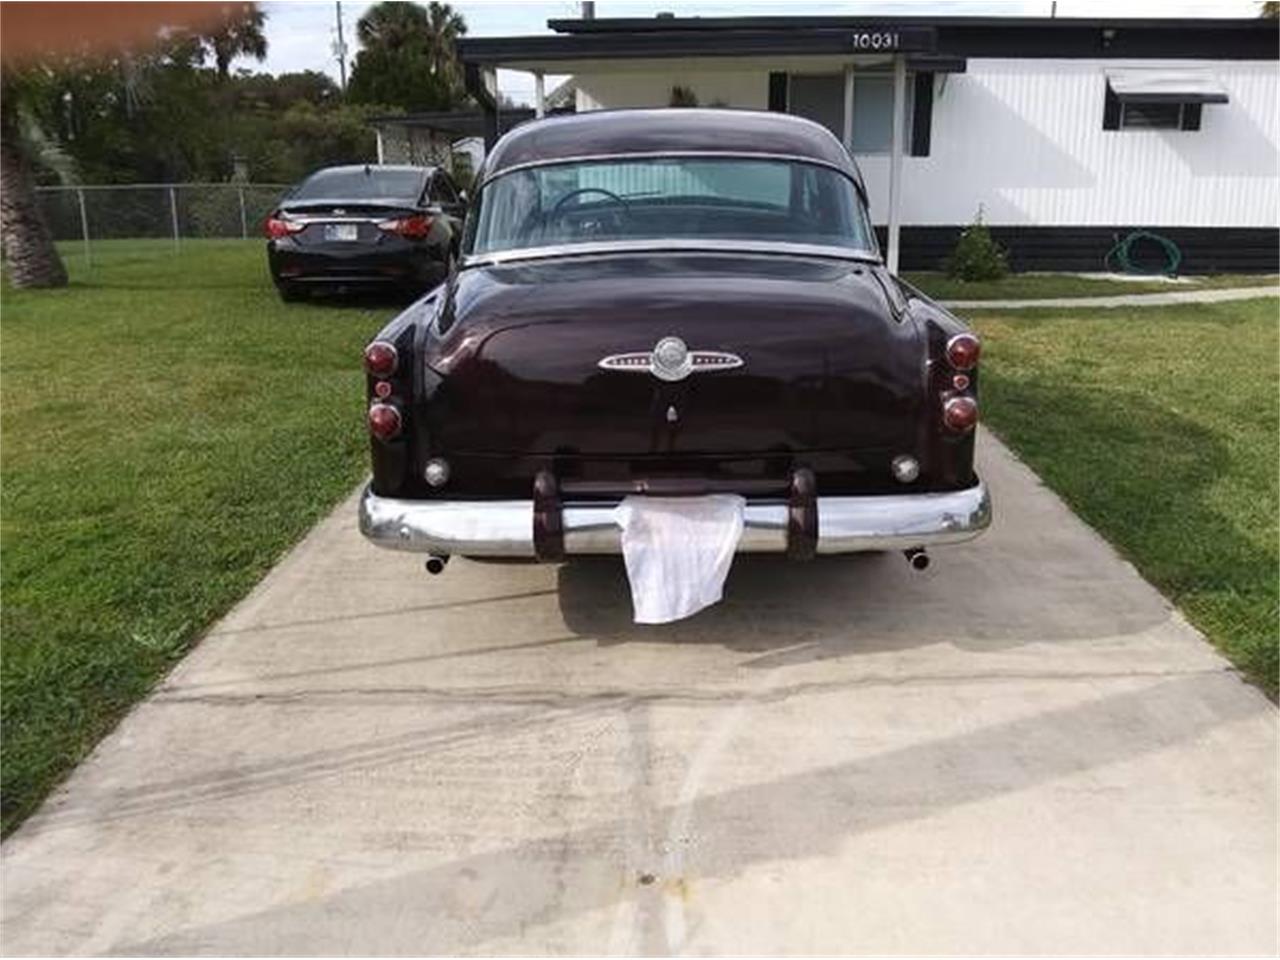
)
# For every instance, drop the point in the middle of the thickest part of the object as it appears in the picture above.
(169, 429)
(1030, 286)
(1159, 427)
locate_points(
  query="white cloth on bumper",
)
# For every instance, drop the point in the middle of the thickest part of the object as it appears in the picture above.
(678, 551)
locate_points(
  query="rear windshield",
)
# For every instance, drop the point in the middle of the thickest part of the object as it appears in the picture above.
(361, 184)
(722, 198)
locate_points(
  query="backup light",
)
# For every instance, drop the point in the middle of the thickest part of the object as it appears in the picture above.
(906, 468)
(436, 472)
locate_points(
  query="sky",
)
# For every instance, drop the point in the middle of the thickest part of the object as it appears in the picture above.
(301, 33)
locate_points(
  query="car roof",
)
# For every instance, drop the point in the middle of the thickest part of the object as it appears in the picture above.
(670, 130)
(374, 168)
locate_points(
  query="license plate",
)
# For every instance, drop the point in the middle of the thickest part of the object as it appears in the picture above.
(342, 231)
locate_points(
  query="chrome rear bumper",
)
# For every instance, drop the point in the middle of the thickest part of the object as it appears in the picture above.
(505, 528)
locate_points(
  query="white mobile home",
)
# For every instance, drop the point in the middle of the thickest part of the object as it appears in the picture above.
(1067, 134)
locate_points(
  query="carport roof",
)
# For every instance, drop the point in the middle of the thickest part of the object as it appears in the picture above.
(1009, 37)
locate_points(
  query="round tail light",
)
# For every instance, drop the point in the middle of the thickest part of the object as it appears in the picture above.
(384, 421)
(960, 414)
(380, 359)
(963, 351)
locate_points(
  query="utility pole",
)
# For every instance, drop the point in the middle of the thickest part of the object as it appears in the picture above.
(340, 48)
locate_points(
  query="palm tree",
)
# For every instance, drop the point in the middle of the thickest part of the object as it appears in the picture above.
(240, 35)
(409, 56)
(28, 245)
(392, 26)
(444, 28)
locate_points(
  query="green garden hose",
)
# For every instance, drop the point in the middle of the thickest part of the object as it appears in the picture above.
(1118, 255)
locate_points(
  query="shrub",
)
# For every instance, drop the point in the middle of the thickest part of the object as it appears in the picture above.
(976, 256)
(683, 97)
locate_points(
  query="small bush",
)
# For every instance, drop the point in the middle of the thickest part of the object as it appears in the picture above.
(976, 256)
(683, 97)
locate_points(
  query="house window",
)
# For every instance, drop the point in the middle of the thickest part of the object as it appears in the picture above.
(1151, 116)
(820, 97)
(1151, 99)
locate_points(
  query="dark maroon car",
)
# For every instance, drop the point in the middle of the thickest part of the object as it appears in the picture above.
(671, 302)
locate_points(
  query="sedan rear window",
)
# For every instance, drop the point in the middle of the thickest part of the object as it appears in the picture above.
(722, 198)
(367, 183)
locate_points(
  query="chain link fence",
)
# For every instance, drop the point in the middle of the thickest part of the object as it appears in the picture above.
(94, 220)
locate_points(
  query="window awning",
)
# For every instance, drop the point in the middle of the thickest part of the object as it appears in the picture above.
(1165, 86)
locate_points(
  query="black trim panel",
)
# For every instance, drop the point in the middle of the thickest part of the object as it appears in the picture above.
(778, 92)
(922, 116)
(1083, 249)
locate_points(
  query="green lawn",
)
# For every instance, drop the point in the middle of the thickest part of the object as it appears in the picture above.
(169, 429)
(1159, 427)
(1018, 286)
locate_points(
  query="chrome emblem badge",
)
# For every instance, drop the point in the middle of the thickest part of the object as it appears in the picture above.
(671, 360)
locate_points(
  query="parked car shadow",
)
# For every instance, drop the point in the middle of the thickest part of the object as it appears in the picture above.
(1037, 575)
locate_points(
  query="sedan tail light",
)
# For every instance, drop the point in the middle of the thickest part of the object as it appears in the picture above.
(963, 351)
(275, 228)
(414, 228)
(385, 422)
(380, 359)
(960, 414)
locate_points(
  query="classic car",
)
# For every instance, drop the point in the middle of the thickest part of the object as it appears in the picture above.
(675, 302)
(361, 227)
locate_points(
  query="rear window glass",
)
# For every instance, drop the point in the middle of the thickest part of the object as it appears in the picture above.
(358, 184)
(655, 198)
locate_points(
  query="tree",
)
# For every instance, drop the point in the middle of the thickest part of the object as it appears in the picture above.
(81, 95)
(28, 245)
(1270, 10)
(239, 35)
(409, 57)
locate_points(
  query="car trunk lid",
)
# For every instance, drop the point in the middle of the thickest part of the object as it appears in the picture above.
(825, 363)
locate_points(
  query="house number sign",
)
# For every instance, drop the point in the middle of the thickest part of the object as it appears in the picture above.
(886, 40)
(893, 39)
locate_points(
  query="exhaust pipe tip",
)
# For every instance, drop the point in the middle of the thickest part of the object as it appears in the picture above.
(435, 564)
(917, 558)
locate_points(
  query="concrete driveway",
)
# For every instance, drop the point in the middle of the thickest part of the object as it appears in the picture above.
(1022, 750)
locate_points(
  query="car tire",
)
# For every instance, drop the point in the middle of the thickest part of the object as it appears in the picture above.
(291, 293)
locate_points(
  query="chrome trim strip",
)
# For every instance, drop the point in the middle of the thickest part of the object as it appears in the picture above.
(665, 154)
(504, 528)
(666, 245)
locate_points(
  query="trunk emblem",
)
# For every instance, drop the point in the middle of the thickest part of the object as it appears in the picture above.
(671, 359)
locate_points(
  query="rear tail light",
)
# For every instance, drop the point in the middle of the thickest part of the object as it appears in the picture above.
(384, 421)
(380, 359)
(960, 414)
(415, 228)
(963, 351)
(275, 228)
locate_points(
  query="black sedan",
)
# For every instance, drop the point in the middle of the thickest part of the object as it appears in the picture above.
(394, 228)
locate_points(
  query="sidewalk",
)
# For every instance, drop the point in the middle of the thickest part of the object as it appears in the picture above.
(1122, 300)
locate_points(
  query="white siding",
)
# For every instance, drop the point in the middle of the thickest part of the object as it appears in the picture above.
(1024, 139)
